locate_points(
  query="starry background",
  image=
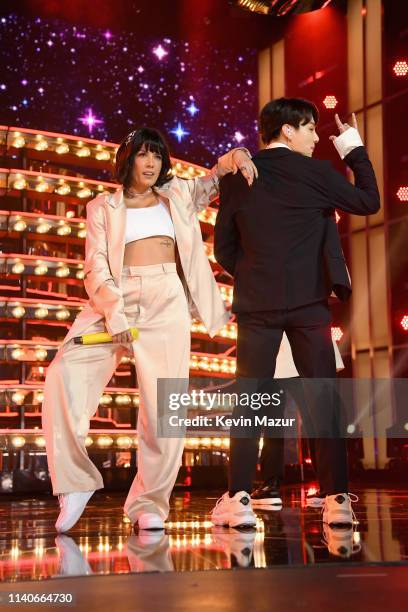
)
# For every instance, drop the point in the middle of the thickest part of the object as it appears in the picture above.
(94, 82)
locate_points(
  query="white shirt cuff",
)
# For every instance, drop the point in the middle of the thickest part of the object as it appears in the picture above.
(347, 141)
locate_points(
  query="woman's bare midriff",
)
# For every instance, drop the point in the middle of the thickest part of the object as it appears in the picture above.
(149, 251)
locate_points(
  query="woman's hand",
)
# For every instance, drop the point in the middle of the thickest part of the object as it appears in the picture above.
(242, 162)
(123, 338)
(344, 126)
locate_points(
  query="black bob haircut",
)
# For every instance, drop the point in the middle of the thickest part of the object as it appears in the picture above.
(153, 141)
(293, 111)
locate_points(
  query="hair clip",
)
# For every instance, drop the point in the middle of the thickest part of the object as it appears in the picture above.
(129, 137)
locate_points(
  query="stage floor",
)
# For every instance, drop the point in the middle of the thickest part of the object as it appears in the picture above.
(103, 542)
(290, 561)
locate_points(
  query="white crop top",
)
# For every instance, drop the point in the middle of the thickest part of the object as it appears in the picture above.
(148, 221)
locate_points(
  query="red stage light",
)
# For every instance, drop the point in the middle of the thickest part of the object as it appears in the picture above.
(308, 460)
(337, 333)
(400, 68)
(338, 217)
(330, 101)
(404, 322)
(402, 194)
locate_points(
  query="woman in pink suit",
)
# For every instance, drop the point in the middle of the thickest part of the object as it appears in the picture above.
(130, 275)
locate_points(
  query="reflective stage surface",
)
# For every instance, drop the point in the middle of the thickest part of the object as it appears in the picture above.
(103, 541)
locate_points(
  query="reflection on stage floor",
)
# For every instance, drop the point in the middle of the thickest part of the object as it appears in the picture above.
(103, 541)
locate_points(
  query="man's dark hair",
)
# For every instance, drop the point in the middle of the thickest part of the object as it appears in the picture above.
(153, 141)
(294, 111)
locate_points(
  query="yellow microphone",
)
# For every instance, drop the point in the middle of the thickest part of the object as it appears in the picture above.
(101, 337)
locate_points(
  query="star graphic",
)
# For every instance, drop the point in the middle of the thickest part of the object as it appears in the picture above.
(160, 52)
(90, 120)
(179, 132)
(192, 109)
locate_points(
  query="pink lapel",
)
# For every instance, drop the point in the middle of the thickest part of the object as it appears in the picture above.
(116, 218)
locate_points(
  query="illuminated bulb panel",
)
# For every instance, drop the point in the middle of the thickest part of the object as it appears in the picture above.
(69, 268)
(404, 322)
(33, 223)
(18, 312)
(84, 148)
(61, 149)
(337, 333)
(402, 194)
(400, 68)
(33, 396)
(330, 102)
(51, 224)
(209, 251)
(53, 183)
(28, 351)
(208, 215)
(18, 267)
(126, 439)
(19, 225)
(53, 310)
(18, 141)
(46, 267)
(19, 181)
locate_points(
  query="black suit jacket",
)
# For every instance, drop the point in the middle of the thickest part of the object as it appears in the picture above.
(278, 238)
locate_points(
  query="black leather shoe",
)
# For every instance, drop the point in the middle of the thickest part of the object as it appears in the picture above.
(267, 494)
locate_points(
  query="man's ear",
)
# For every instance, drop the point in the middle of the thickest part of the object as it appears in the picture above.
(287, 130)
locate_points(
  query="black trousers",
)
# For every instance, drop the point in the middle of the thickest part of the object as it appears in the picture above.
(308, 329)
(273, 450)
(272, 457)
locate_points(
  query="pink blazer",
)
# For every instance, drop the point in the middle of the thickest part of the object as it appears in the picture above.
(105, 245)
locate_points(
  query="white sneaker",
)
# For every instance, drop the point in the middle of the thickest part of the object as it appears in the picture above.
(239, 544)
(72, 506)
(340, 542)
(72, 561)
(234, 511)
(337, 509)
(149, 520)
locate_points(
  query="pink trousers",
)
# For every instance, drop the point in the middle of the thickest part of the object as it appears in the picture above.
(156, 304)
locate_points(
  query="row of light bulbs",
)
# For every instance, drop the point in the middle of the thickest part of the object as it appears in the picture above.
(103, 441)
(42, 268)
(207, 363)
(203, 363)
(224, 365)
(229, 331)
(61, 187)
(42, 311)
(63, 270)
(41, 143)
(101, 152)
(125, 442)
(18, 397)
(43, 225)
(110, 398)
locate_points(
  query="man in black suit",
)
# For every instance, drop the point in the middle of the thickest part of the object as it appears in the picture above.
(272, 239)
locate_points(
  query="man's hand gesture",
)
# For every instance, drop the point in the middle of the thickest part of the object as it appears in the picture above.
(344, 126)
